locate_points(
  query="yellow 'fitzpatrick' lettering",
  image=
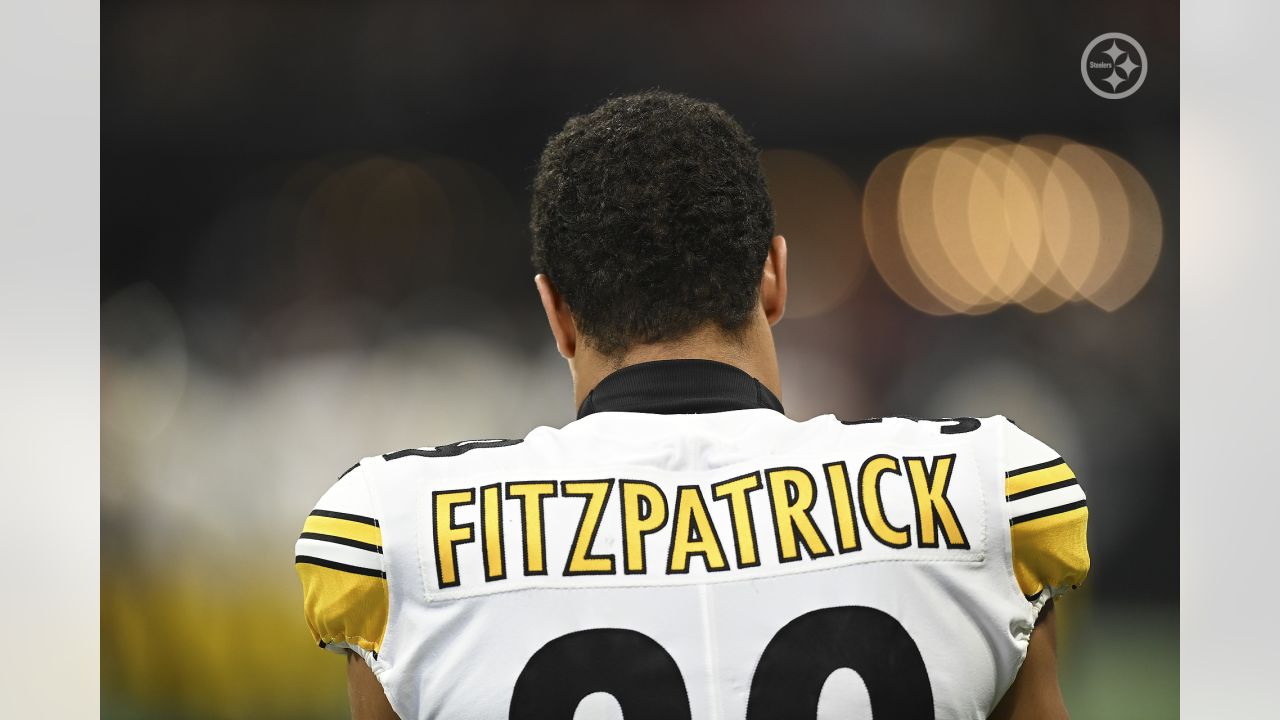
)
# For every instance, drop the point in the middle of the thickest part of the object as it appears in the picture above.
(744, 531)
(842, 506)
(581, 561)
(694, 534)
(873, 506)
(791, 515)
(645, 509)
(448, 535)
(531, 495)
(495, 561)
(932, 506)
(636, 525)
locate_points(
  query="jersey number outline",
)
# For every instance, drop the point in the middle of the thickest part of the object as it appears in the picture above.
(795, 665)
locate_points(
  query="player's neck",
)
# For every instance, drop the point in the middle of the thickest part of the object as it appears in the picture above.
(752, 352)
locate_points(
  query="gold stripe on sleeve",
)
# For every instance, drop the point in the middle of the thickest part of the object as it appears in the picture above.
(348, 529)
(1027, 479)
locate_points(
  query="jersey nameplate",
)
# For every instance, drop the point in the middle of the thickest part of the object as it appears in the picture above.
(641, 528)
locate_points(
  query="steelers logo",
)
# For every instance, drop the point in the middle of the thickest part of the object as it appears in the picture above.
(1113, 66)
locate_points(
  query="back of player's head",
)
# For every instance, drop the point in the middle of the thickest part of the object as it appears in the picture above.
(651, 217)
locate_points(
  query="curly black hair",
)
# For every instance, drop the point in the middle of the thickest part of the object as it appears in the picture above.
(652, 218)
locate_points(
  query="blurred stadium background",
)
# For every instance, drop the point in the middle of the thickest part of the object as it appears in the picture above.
(315, 248)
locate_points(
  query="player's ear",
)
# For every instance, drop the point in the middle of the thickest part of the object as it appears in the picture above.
(558, 316)
(773, 281)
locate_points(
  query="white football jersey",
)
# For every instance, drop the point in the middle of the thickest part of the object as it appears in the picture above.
(684, 550)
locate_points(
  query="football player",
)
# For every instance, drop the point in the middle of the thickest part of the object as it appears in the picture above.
(683, 549)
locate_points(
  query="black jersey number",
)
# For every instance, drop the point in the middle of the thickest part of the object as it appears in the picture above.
(643, 677)
(956, 426)
(630, 666)
(799, 659)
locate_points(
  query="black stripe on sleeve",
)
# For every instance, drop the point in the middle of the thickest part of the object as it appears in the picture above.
(1047, 512)
(348, 471)
(308, 560)
(342, 541)
(1042, 489)
(346, 516)
(1033, 468)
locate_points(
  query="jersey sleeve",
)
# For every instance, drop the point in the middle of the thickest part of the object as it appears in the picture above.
(339, 560)
(1048, 517)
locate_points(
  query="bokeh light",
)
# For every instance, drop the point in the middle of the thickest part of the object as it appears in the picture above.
(968, 225)
(880, 223)
(1145, 235)
(816, 209)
